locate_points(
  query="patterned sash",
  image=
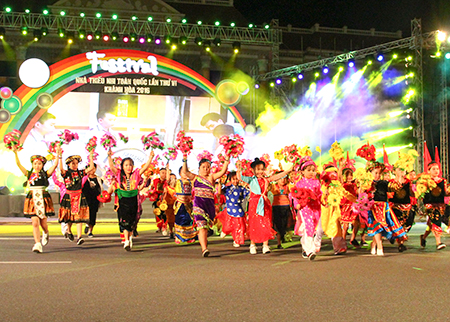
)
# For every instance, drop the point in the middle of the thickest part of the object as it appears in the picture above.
(38, 200)
(75, 200)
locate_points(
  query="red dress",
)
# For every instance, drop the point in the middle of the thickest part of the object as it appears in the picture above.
(260, 225)
(347, 213)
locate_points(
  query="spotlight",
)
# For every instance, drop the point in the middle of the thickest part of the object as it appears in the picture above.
(369, 62)
(8, 9)
(380, 57)
(256, 85)
(81, 33)
(266, 26)
(316, 74)
(300, 76)
(395, 56)
(351, 64)
(97, 35)
(61, 32)
(149, 37)
(2, 32)
(409, 58)
(37, 34)
(114, 17)
(98, 15)
(70, 37)
(142, 39)
(207, 45)
(447, 56)
(158, 40)
(438, 54)
(217, 42)
(44, 31)
(250, 25)
(278, 81)
(62, 13)
(174, 44)
(24, 31)
(198, 40)
(169, 20)
(45, 12)
(183, 40)
(341, 69)
(441, 36)
(272, 84)
(134, 18)
(114, 36)
(82, 14)
(236, 47)
(125, 38)
(27, 11)
(106, 37)
(184, 20)
(293, 79)
(90, 36)
(168, 40)
(232, 24)
(199, 22)
(150, 18)
(133, 37)
(325, 70)
(217, 23)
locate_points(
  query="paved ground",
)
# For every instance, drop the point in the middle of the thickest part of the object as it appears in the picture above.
(160, 281)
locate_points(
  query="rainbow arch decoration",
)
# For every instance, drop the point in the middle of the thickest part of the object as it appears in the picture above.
(64, 73)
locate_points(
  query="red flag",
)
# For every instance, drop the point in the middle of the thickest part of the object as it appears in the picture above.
(426, 156)
(438, 161)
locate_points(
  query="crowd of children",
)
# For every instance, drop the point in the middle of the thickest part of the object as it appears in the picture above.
(308, 201)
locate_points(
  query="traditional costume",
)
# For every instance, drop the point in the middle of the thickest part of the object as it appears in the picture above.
(204, 210)
(184, 224)
(281, 208)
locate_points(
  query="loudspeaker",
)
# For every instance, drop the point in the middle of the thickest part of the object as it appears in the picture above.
(4, 190)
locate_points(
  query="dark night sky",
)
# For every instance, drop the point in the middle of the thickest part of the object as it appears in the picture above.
(383, 15)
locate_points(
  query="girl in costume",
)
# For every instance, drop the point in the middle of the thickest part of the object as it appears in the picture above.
(91, 189)
(204, 210)
(434, 203)
(382, 222)
(74, 207)
(169, 198)
(184, 223)
(348, 216)
(281, 208)
(259, 208)
(38, 202)
(127, 200)
(233, 216)
(330, 216)
(306, 199)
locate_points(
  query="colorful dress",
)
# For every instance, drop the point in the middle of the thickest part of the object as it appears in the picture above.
(38, 201)
(170, 199)
(184, 223)
(204, 210)
(281, 209)
(127, 200)
(74, 207)
(259, 210)
(401, 202)
(308, 217)
(347, 214)
(381, 221)
(435, 204)
(159, 186)
(233, 216)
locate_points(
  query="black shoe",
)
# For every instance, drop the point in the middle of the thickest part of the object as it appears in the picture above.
(210, 232)
(80, 241)
(392, 240)
(440, 246)
(70, 236)
(279, 246)
(135, 233)
(304, 255)
(355, 243)
(423, 242)
(205, 253)
(311, 256)
(401, 248)
(172, 236)
(86, 229)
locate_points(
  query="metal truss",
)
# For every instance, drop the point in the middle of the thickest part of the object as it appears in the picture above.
(358, 54)
(14, 21)
(443, 107)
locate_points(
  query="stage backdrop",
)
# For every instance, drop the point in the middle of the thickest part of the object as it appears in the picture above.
(115, 91)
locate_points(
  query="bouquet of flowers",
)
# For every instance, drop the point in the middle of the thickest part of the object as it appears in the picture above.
(205, 155)
(424, 184)
(109, 178)
(104, 197)
(123, 138)
(366, 152)
(266, 159)
(304, 196)
(305, 151)
(108, 141)
(363, 178)
(336, 193)
(184, 142)
(12, 140)
(151, 141)
(66, 136)
(170, 154)
(90, 146)
(233, 145)
(246, 168)
(336, 151)
(52, 146)
(291, 154)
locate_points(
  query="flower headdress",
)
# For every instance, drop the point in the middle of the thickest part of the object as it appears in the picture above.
(38, 157)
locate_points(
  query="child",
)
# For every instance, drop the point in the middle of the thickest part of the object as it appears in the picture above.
(281, 208)
(170, 198)
(74, 207)
(204, 210)
(233, 216)
(308, 224)
(259, 208)
(435, 206)
(91, 189)
(159, 185)
(381, 222)
(38, 202)
(127, 199)
(348, 216)
(184, 223)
